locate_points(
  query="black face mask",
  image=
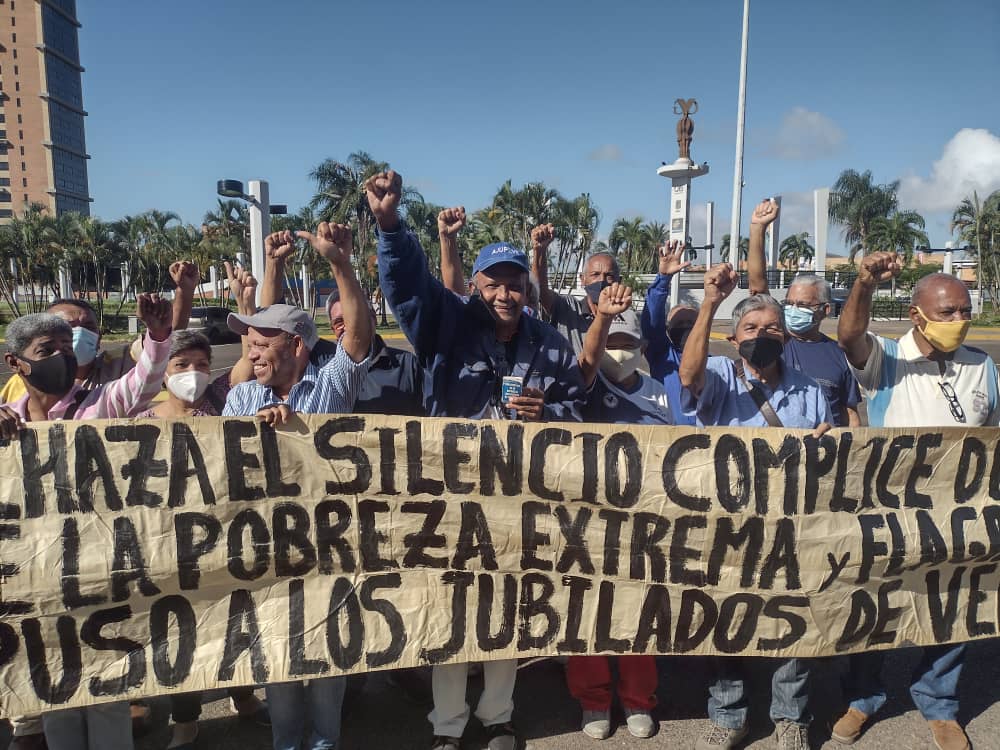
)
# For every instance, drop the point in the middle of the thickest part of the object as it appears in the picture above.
(762, 351)
(594, 289)
(53, 375)
(679, 335)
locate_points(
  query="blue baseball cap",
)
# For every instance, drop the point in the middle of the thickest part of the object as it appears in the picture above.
(500, 252)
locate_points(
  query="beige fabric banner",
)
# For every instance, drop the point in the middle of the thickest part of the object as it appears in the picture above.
(147, 557)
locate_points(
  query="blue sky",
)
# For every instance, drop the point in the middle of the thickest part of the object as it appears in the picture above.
(460, 96)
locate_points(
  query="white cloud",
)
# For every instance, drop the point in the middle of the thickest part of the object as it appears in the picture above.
(970, 161)
(805, 135)
(797, 214)
(607, 152)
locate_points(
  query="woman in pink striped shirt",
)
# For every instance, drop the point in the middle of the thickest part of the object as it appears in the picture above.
(40, 350)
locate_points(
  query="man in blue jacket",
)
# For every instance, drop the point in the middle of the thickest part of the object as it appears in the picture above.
(466, 348)
(666, 334)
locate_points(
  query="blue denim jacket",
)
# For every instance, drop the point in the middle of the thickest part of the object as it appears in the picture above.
(456, 345)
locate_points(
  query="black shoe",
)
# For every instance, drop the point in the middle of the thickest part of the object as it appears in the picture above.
(441, 742)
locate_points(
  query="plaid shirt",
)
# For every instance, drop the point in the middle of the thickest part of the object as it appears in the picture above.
(331, 389)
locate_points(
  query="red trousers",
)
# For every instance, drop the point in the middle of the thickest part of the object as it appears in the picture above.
(589, 679)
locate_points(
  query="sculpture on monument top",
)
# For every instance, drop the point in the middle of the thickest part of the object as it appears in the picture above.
(685, 125)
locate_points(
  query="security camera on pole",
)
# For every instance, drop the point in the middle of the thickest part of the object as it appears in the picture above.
(681, 172)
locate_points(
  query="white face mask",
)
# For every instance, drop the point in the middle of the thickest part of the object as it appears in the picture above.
(188, 386)
(618, 364)
(85, 345)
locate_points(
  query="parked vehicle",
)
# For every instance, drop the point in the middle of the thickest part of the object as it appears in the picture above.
(211, 321)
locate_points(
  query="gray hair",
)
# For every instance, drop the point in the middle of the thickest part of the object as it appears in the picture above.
(758, 302)
(22, 331)
(821, 285)
(183, 340)
(614, 261)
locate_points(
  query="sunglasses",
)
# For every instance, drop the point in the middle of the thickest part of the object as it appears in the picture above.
(956, 408)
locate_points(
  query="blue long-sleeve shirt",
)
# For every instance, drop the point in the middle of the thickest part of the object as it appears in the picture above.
(664, 358)
(456, 345)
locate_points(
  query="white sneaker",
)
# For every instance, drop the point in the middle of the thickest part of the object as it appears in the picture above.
(597, 724)
(639, 722)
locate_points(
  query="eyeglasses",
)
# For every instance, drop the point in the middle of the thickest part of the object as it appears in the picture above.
(956, 408)
(804, 306)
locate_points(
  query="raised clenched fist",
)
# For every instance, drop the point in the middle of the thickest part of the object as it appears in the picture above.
(451, 221)
(185, 275)
(384, 191)
(541, 237)
(720, 281)
(156, 313)
(879, 267)
(279, 245)
(765, 213)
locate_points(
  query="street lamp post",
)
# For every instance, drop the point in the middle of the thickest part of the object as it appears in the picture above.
(260, 211)
(734, 227)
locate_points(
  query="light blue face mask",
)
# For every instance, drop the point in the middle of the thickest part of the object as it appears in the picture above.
(799, 320)
(84, 345)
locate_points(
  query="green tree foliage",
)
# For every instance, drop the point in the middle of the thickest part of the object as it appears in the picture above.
(796, 249)
(899, 233)
(978, 225)
(724, 248)
(855, 202)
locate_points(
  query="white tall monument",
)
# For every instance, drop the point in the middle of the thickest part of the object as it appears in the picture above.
(681, 172)
(821, 219)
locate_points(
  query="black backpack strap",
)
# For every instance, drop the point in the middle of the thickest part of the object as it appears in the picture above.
(758, 398)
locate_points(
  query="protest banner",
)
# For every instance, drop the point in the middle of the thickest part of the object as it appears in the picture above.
(146, 557)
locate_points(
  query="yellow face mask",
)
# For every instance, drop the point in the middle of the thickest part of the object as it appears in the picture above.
(945, 336)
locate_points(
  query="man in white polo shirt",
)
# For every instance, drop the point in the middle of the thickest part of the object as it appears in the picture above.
(926, 379)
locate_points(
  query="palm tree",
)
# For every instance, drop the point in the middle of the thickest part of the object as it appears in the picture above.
(97, 250)
(631, 242)
(26, 243)
(340, 197)
(517, 212)
(658, 233)
(795, 249)
(978, 225)
(230, 223)
(575, 222)
(855, 202)
(724, 248)
(900, 233)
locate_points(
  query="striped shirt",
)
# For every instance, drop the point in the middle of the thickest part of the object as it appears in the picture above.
(330, 389)
(906, 389)
(124, 397)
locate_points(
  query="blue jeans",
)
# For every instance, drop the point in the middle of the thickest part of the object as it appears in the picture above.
(291, 702)
(727, 706)
(106, 726)
(933, 684)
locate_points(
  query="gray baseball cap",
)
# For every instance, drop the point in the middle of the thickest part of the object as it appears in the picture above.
(287, 318)
(628, 323)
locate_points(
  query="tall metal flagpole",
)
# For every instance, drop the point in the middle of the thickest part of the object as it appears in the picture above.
(734, 227)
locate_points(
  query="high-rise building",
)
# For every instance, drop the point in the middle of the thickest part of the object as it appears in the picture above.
(43, 152)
